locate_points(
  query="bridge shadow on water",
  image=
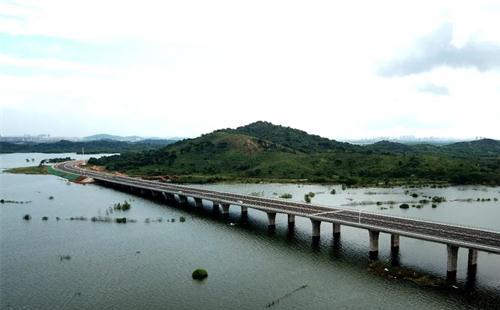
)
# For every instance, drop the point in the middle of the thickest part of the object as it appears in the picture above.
(298, 238)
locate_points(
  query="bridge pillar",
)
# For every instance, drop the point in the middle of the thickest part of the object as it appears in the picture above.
(154, 194)
(183, 200)
(198, 202)
(316, 229)
(244, 211)
(373, 243)
(165, 196)
(291, 220)
(451, 273)
(336, 230)
(215, 206)
(271, 220)
(169, 198)
(394, 242)
(225, 208)
(472, 261)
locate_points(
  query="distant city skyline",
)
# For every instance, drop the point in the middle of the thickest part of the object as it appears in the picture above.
(408, 138)
(341, 70)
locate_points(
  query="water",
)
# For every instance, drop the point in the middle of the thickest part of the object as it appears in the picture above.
(149, 265)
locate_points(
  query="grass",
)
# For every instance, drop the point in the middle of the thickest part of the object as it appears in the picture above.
(68, 176)
(29, 170)
(43, 170)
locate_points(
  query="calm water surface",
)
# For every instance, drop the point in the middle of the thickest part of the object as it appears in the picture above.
(148, 265)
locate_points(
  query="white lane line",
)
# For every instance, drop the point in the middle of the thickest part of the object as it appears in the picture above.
(327, 212)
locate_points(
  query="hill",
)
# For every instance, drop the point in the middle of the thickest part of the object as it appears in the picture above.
(91, 147)
(293, 138)
(482, 147)
(263, 151)
(389, 147)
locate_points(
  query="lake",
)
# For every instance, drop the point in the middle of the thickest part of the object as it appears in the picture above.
(80, 264)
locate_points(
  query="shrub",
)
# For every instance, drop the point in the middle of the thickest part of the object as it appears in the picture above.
(125, 206)
(438, 199)
(122, 207)
(199, 274)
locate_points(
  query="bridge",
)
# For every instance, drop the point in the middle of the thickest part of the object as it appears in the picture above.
(453, 236)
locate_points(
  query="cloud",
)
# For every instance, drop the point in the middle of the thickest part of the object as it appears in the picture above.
(434, 89)
(438, 50)
(16, 64)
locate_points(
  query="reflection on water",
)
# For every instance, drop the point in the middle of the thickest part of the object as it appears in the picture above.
(149, 265)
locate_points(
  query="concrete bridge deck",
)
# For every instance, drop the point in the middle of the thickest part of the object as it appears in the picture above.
(454, 236)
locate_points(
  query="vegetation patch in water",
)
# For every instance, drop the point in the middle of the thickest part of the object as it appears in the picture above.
(64, 257)
(398, 272)
(438, 199)
(3, 201)
(125, 206)
(199, 274)
(286, 196)
(121, 220)
(105, 219)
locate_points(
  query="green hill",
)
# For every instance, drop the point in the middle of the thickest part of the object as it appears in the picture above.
(293, 138)
(263, 151)
(482, 147)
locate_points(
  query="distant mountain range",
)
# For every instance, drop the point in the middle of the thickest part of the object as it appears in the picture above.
(97, 137)
(89, 147)
(264, 151)
(104, 136)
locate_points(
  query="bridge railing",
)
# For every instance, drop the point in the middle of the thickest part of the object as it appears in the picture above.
(187, 187)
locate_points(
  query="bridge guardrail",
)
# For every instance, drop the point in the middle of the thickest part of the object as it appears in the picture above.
(274, 200)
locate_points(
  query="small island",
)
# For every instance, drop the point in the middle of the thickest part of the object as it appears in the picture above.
(200, 274)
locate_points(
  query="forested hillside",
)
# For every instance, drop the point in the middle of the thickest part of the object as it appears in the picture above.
(263, 151)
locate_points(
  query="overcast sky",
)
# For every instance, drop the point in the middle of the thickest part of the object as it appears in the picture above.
(341, 69)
